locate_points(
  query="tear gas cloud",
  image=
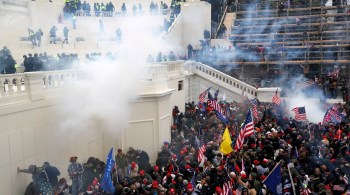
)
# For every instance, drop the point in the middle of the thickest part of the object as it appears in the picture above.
(297, 96)
(104, 97)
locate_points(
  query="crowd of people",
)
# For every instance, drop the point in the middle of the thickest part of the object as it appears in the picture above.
(7, 63)
(78, 8)
(314, 158)
(45, 62)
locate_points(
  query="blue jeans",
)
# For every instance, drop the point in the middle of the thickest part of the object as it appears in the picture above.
(77, 186)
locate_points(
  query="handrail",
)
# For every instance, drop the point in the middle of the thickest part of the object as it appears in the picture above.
(209, 72)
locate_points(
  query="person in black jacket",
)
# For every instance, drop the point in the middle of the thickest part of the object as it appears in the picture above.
(52, 173)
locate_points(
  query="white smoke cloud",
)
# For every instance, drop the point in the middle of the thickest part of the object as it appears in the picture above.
(311, 98)
(104, 97)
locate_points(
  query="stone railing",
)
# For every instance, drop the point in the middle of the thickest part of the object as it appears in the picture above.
(212, 74)
(33, 85)
(174, 67)
(13, 3)
(230, 83)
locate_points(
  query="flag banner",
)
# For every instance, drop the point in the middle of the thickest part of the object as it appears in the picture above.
(300, 113)
(202, 146)
(216, 94)
(225, 146)
(333, 115)
(274, 180)
(255, 102)
(246, 130)
(223, 118)
(203, 95)
(107, 184)
(275, 99)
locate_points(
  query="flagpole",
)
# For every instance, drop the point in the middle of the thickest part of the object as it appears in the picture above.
(290, 176)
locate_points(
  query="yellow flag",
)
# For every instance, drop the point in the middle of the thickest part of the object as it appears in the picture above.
(225, 146)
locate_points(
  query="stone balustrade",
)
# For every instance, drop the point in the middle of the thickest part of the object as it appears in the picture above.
(14, 3)
(34, 85)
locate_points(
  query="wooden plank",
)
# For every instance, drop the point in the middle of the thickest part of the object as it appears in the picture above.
(295, 42)
(290, 17)
(296, 9)
(292, 25)
(286, 34)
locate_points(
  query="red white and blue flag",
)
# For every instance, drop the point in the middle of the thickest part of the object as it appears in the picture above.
(300, 113)
(246, 130)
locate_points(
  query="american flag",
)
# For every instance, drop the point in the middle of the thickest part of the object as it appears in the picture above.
(203, 95)
(216, 94)
(255, 103)
(202, 146)
(304, 190)
(246, 130)
(276, 99)
(227, 187)
(214, 104)
(244, 99)
(300, 113)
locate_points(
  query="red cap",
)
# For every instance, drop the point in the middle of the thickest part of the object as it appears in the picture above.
(95, 182)
(156, 168)
(172, 190)
(133, 165)
(262, 177)
(189, 186)
(142, 172)
(174, 156)
(218, 189)
(328, 187)
(188, 167)
(155, 184)
(265, 160)
(256, 162)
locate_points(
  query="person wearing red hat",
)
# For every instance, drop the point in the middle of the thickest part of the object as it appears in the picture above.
(172, 191)
(218, 190)
(145, 178)
(155, 173)
(134, 170)
(190, 190)
(94, 188)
